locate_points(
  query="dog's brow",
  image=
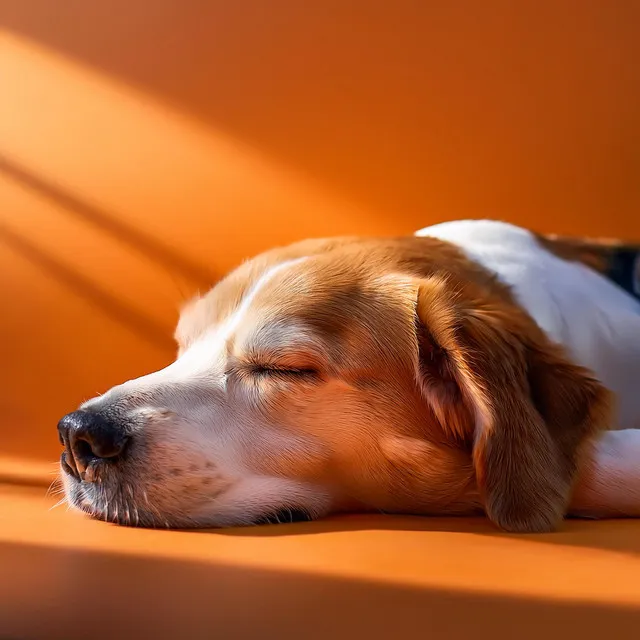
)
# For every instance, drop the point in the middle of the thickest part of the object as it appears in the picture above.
(285, 339)
(231, 324)
(198, 319)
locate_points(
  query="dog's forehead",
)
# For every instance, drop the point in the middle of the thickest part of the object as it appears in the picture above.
(264, 294)
(208, 310)
(325, 286)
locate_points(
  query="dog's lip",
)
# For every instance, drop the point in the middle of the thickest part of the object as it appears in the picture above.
(68, 467)
(284, 515)
(91, 473)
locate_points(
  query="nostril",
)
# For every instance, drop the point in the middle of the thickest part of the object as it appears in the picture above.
(82, 449)
(99, 443)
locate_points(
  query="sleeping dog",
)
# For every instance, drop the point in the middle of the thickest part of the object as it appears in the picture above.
(474, 368)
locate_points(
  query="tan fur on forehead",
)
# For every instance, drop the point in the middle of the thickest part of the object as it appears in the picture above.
(205, 311)
(337, 271)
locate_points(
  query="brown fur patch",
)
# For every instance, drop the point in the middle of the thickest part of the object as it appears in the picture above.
(526, 408)
(595, 253)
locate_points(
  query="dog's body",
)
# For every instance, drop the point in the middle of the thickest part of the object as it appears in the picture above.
(469, 369)
(596, 321)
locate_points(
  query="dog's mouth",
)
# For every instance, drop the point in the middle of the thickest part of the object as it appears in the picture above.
(118, 506)
(284, 516)
(146, 520)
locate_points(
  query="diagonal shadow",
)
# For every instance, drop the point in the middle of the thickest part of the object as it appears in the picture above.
(418, 111)
(128, 316)
(121, 231)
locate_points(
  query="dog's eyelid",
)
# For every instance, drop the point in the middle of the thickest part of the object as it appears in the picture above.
(279, 370)
(281, 362)
(293, 359)
(275, 364)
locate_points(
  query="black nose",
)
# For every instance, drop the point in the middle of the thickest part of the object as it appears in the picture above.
(89, 437)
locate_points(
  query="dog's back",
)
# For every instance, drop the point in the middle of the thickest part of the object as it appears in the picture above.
(583, 293)
(617, 260)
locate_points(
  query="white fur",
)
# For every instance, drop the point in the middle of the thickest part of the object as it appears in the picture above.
(610, 483)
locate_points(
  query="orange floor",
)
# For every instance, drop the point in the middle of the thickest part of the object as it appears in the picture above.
(65, 576)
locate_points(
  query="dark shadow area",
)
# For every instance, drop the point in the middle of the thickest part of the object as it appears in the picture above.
(623, 536)
(140, 242)
(8, 477)
(138, 323)
(510, 111)
(66, 594)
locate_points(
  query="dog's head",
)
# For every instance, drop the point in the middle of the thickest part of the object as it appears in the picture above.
(346, 374)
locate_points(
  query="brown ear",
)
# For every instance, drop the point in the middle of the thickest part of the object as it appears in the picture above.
(499, 385)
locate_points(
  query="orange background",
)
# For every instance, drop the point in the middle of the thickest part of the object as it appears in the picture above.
(148, 147)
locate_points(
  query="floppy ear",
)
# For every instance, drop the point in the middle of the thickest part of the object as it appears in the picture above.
(498, 385)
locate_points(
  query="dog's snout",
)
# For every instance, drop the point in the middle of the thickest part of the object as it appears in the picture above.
(89, 438)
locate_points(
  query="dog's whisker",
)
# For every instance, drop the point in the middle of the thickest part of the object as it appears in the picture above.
(58, 504)
(54, 487)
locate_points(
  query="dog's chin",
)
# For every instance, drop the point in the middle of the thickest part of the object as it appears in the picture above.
(112, 507)
(115, 507)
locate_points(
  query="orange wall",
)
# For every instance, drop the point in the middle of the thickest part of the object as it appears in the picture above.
(147, 147)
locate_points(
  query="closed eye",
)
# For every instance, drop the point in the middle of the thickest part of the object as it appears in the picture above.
(267, 370)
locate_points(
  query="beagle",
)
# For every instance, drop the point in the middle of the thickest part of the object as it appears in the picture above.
(474, 368)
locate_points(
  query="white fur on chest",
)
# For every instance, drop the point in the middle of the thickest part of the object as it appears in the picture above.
(596, 321)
